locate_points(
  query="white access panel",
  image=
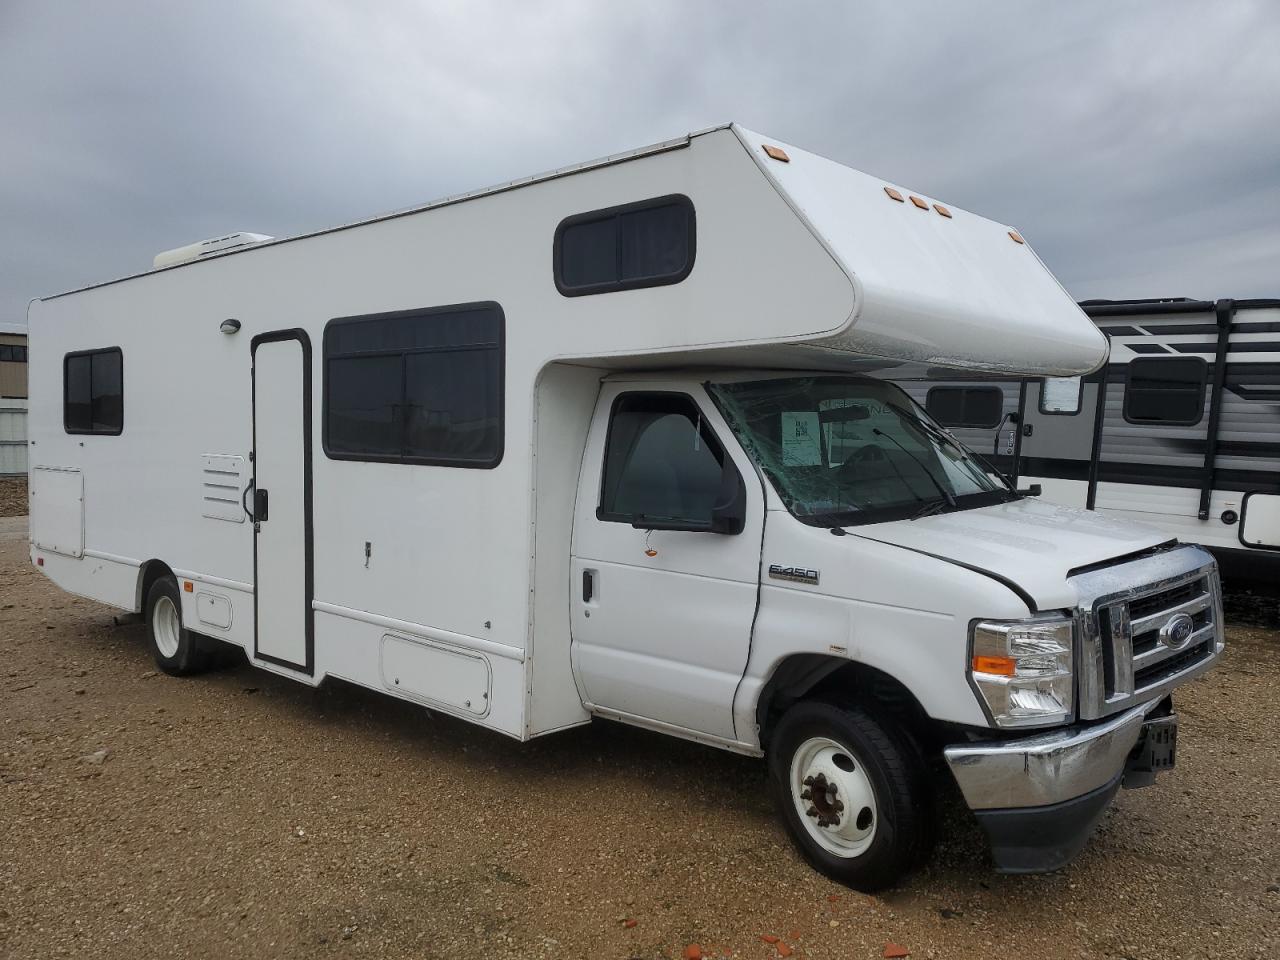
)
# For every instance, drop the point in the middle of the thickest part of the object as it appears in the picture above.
(1260, 526)
(57, 510)
(280, 445)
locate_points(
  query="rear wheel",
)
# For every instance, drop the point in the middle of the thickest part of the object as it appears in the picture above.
(177, 651)
(854, 794)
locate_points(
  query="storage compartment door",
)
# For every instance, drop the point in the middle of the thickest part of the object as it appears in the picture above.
(1260, 521)
(57, 510)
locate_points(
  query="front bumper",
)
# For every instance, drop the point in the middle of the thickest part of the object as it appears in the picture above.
(1039, 797)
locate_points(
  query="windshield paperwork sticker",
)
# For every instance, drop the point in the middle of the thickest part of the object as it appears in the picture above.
(800, 439)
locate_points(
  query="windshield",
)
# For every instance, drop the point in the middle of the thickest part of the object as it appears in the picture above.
(847, 450)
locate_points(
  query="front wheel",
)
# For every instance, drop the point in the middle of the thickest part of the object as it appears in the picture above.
(854, 794)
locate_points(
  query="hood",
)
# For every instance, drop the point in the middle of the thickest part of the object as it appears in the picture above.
(1027, 542)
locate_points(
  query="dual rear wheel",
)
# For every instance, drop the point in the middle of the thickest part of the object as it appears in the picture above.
(176, 650)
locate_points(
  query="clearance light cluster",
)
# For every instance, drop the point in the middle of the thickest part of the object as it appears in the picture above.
(922, 204)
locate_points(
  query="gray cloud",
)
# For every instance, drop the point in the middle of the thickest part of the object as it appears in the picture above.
(1137, 145)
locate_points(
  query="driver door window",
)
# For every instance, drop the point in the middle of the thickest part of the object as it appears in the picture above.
(661, 461)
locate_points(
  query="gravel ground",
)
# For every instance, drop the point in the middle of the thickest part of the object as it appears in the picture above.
(13, 496)
(241, 815)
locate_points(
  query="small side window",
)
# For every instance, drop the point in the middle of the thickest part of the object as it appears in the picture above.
(645, 244)
(93, 392)
(966, 406)
(661, 461)
(1060, 396)
(1168, 391)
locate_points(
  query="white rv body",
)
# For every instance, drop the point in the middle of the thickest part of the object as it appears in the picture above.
(497, 592)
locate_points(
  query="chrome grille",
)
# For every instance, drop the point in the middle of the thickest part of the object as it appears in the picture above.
(1145, 626)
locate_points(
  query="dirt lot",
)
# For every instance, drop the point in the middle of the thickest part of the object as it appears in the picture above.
(13, 496)
(238, 815)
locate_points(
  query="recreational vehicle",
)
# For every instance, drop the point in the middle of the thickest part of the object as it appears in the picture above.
(1180, 429)
(601, 443)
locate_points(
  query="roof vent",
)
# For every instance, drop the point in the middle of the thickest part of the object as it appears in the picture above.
(207, 248)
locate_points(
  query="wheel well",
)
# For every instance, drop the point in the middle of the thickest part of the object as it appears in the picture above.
(152, 571)
(813, 676)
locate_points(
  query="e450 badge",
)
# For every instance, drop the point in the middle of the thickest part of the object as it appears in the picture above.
(795, 574)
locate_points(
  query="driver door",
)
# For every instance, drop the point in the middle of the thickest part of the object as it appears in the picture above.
(662, 618)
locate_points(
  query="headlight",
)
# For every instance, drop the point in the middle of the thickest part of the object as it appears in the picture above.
(1022, 670)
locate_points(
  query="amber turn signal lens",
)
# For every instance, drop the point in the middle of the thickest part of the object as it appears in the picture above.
(188, 586)
(999, 666)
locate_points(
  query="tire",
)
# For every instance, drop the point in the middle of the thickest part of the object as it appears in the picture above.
(177, 651)
(876, 825)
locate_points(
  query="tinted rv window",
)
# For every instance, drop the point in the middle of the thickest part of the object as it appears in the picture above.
(417, 386)
(661, 461)
(965, 406)
(1168, 391)
(644, 244)
(93, 391)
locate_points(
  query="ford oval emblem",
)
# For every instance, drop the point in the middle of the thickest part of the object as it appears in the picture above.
(1177, 631)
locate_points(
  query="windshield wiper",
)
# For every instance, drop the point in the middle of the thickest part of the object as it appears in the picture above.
(947, 498)
(929, 509)
(965, 453)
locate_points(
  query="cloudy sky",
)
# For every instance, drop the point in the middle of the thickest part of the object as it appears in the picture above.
(1137, 145)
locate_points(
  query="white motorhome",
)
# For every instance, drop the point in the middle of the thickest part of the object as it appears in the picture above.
(598, 443)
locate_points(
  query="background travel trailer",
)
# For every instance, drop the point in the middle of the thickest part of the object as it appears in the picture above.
(1181, 428)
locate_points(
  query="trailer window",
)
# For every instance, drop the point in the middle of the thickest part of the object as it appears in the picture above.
(416, 386)
(93, 391)
(1060, 396)
(13, 352)
(645, 244)
(966, 406)
(662, 461)
(1167, 391)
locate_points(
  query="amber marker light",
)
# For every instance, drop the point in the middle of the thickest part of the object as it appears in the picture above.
(1013, 235)
(894, 194)
(922, 204)
(188, 586)
(942, 211)
(996, 666)
(777, 153)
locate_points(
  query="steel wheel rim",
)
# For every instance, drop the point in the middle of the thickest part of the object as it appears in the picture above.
(833, 797)
(166, 627)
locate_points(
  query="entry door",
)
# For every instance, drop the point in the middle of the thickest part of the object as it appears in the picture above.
(662, 619)
(282, 499)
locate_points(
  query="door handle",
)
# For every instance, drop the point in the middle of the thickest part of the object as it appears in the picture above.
(244, 501)
(588, 586)
(259, 504)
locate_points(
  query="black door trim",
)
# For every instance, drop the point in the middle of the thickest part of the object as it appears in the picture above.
(276, 336)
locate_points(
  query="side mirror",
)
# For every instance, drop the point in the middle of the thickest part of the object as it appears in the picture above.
(1032, 491)
(729, 513)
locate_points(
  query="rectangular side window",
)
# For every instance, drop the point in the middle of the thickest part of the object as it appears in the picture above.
(966, 406)
(416, 386)
(645, 244)
(662, 462)
(93, 391)
(1167, 391)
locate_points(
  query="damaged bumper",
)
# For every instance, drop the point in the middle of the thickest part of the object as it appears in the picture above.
(1039, 797)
